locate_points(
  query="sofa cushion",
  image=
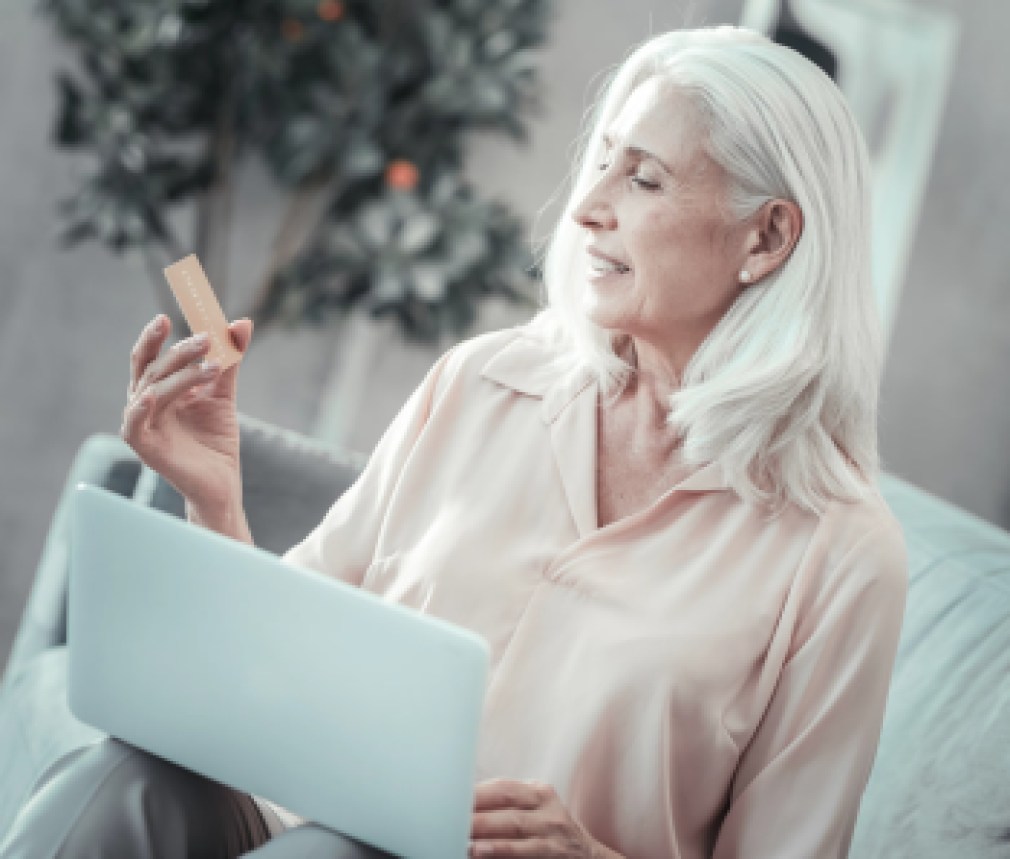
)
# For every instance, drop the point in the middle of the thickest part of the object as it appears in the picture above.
(288, 483)
(941, 781)
(36, 728)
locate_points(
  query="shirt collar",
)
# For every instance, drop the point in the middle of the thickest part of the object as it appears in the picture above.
(534, 368)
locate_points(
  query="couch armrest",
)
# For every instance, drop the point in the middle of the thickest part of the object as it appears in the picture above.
(289, 482)
(103, 460)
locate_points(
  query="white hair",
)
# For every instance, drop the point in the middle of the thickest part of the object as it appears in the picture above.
(783, 392)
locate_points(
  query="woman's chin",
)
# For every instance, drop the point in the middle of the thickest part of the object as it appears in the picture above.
(603, 313)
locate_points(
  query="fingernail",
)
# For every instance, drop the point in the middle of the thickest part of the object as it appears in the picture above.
(208, 368)
(202, 337)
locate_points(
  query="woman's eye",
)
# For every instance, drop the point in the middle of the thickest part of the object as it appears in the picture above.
(647, 184)
(641, 181)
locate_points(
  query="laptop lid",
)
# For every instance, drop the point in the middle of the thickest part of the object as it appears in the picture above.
(350, 711)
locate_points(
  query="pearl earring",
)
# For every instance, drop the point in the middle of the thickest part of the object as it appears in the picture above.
(746, 276)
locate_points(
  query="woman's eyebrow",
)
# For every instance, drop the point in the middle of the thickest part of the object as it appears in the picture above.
(638, 152)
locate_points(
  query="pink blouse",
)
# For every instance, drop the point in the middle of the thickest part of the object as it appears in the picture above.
(694, 680)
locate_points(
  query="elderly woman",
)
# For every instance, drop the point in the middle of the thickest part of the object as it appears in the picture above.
(656, 502)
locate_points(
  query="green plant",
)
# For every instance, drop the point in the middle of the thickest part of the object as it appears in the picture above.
(359, 107)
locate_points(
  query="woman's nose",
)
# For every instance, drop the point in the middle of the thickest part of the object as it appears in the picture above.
(593, 211)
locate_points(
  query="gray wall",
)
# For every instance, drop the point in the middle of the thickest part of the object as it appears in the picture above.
(68, 320)
(945, 421)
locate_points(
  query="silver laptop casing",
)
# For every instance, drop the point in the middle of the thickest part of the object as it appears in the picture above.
(350, 711)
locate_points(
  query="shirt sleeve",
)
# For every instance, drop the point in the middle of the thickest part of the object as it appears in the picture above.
(343, 544)
(798, 784)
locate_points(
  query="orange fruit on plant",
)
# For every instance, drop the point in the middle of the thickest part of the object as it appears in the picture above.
(292, 29)
(330, 10)
(402, 175)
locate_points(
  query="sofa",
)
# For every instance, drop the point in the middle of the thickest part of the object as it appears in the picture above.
(940, 786)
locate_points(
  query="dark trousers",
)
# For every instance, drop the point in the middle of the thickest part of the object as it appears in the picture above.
(114, 801)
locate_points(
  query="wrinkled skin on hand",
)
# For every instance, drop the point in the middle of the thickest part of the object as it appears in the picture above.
(181, 417)
(520, 818)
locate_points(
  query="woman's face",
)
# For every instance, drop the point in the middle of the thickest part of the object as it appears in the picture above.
(662, 255)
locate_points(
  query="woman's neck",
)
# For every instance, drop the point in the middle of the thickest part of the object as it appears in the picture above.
(656, 375)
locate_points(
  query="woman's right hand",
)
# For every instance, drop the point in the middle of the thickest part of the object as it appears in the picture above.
(181, 419)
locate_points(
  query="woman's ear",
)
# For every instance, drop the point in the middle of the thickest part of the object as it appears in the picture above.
(776, 229)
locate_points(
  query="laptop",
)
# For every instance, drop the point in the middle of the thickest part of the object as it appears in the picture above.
(350, 711)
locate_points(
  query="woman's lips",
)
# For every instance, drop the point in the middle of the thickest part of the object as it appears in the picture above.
(601, 264)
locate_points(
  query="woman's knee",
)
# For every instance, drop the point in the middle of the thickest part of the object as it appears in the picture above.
(312, 841)
(115, 799)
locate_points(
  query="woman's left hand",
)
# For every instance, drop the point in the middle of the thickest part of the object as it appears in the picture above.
(522, 818)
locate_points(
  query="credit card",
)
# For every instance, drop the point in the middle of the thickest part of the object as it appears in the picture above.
(202, 310)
